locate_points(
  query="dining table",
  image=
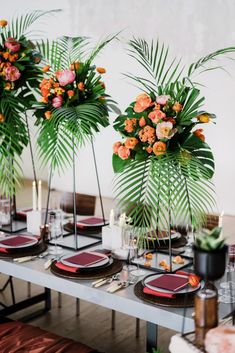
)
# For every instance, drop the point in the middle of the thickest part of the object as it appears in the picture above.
(124, 300)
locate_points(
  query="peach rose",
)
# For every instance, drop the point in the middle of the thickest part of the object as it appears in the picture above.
(147, 134)
(57, 102)
(165, 130)
(177, 107)
(131, 142)
(143, 101)
(65, 77)
(12, 73)
(163, 99)
(156, 115)
(116, 146)
(48, 114)
(7, 86)
(101, 70)
(46, 68)
(3, 23)
(81, 86)
(129, 125)
(203, 118)
(2, 118)
(159, 148)
(70, 93)
(199, 133)
(142, 122)
(149, 149)
(12, 45)
(123, 152)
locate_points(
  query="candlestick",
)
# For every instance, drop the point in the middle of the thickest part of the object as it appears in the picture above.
(220, 224)
(39, 195)
(122, 220)
(34, 196)
(111, 218)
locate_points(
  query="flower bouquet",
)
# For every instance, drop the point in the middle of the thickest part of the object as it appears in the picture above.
(73, 104)
(163, 163)
(19, 75)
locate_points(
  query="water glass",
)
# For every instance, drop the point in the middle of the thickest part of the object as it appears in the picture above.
(56, 231)
(5, 212)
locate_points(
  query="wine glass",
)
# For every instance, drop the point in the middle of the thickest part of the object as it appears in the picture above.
(56, 231)
(138, 272)
(128, 239)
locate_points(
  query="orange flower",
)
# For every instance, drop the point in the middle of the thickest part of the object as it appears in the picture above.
(116, 146)
(3, 23)
(75, 65)
(46, 68)
(171, 120)
(177, 107)
(59, 91)
(147, 134)
(143, 101)
(129, 125)
(13, 58)
(198, 133)
(131, 142)
(193, 280)
(70, 93)
(123, 152)
(159, 148)
(156, 115)
(44, 100)
(48, 114)
(149, 149)
(157, 106)
(203, 118)
(7, 86)
(142, 122)
(81, 86)
(102, 84)
(56, 84)
(101, 70)
(6, 55)
(2, 118)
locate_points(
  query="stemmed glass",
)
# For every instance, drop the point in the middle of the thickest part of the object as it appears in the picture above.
(138, 272)
(190, 240)
(56, 231)
(128, 240)
(227, 291)
(4, 213)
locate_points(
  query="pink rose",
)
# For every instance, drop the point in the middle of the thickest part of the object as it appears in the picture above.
(123, 152)
(165, 130)
(12, 45)
(143, 101)
(57, 102)
(116, 146)
(156, 115)
(65, 77)
(163, 99)
(12, 73)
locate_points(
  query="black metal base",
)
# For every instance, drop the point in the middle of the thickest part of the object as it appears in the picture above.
(14, 227)
(83, 242)
(43, 297)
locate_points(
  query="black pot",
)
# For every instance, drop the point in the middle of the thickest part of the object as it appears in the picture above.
(210, 265)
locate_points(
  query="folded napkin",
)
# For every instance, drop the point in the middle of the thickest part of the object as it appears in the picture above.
(158, 294)
(66, 268)
(4, 250)
(17, 241)
(85, 259)
(168, 282)
(91, 221)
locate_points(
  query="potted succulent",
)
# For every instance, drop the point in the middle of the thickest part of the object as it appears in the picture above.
(210, 254)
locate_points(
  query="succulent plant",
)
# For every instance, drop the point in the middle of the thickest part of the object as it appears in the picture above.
(210, 240)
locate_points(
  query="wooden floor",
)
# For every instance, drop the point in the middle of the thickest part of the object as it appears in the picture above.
(92, 327)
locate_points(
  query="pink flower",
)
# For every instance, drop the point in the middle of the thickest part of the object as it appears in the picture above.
(165, 130)
(12, 73)
(143, 101)
(57, 102)
(12, 45)
(163, 99)
(123, 152)
(116, 146)
(156, 115)
(65, 77)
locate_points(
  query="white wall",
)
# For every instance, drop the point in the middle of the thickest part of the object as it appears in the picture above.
(192, 28)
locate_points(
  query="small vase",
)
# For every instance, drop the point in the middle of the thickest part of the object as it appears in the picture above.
(210, 265)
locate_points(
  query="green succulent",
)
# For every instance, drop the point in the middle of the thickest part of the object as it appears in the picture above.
(210, 240)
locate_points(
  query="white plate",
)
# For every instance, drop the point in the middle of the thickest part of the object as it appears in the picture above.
(97, 264)
(174, 236)
(33, 242)
(81, 224)
(187, 289)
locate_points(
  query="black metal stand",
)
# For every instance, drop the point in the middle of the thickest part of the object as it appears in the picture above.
(9, 282)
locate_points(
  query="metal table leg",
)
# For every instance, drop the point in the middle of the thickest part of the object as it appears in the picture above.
(151, 336)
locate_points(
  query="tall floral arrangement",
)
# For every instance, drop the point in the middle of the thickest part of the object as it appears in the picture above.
(74, 104)
(19, 76)
(164, 165)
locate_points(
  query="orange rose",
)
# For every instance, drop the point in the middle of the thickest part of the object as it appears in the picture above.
(6, 55)
(147, 134)
(81, 86)
(129, 125)
(101, 70)
(198, 133)
(143, 101)
(177, 107)
(149, 149)
(7, 86)
(44, 100)
(70, 93)
(156, 115)
(116, 146)
(48, 114)
(131, 142)
(159, 148)
(46, 68)
(203, 118)
(123, 152)
(3, 23)
(13, 58)
(2, 118)
(142, 122)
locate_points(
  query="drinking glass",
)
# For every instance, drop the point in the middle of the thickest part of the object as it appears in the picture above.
(56, 231)
(137, 272)
(128, 239)
(5, 212)
(227, 288)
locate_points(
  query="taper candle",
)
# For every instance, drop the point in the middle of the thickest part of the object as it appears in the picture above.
(34, 196)
(39, 195)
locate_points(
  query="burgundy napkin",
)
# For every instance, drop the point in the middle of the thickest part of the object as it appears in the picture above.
(17, 241)
(172, 283)
(3, 250)
(66, 268)
(158, 294)
(84, 259)
(91, 221)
